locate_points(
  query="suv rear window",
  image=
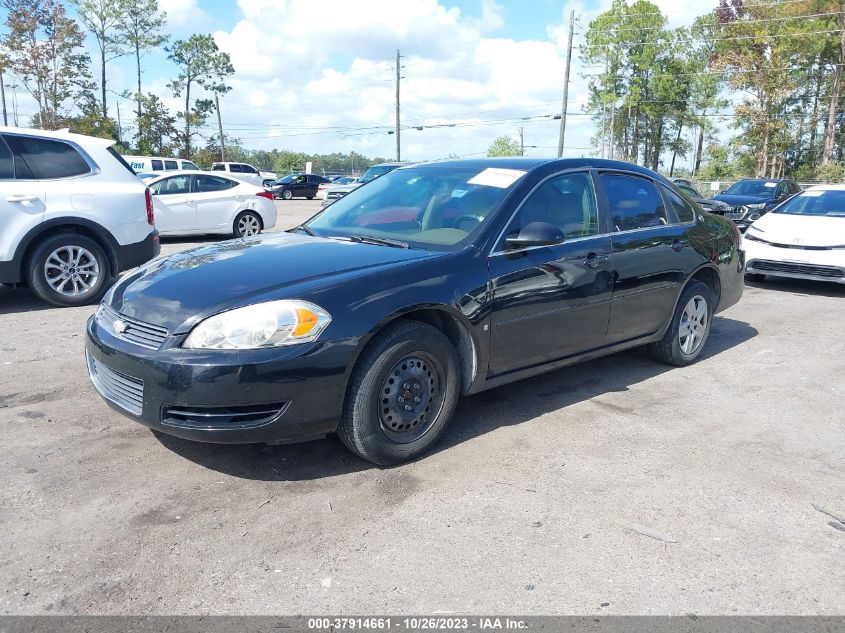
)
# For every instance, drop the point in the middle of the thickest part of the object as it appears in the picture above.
(47, 159)
(218, 167)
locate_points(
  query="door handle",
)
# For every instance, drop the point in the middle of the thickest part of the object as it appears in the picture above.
(592, 260)
(23, 198)
(679, 245)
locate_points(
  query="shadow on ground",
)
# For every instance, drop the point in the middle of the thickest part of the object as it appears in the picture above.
(800, 287)
(476, 415)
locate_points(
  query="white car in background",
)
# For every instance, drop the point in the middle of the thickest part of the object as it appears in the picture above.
(247, 173)
(72, 215)
(803, 238)
(324, 187)
(191, 202)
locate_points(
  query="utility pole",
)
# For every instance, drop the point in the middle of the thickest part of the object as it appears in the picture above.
(521, 141)
(3, 96)
(566, 85)
(119, 127)
(219, 126)
(15, 103)
(398, 77)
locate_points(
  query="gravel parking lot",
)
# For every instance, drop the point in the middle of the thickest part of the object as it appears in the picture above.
(617, 486)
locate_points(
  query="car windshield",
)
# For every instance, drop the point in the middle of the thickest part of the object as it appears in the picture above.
(285, 180)
(762, 188)
(374, 172)
(429, 206)
(818, 202)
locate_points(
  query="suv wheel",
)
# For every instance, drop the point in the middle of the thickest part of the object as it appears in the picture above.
(401, 395)
(69, 270)
(687, 333)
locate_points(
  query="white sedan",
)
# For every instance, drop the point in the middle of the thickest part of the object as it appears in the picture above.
(187, 202)
(803, 238)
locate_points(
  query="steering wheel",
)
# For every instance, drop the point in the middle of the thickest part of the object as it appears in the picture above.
(478, 219)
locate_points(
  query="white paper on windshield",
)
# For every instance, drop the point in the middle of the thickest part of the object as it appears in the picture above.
(497, 177)
(811, 194)
(770, 184)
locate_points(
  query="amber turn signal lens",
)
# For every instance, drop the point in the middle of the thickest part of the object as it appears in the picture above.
(305, 322)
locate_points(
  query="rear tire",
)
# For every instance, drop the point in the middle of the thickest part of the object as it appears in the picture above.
(68, 270)
(246, 224)
(755, 278)
(402, 394)
(690, 327)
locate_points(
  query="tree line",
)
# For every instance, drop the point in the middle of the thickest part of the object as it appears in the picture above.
(771, 70)
(44, 48)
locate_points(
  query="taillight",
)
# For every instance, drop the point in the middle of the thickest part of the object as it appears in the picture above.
(148, 197)
(265, 194)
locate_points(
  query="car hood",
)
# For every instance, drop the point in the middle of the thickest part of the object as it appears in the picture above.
(736, 200)
(177, 291)
(802, 230)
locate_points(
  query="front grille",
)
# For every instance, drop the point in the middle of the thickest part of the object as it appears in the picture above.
(334, 195)
(796, 269)
(135, 331)
(124, 391)
(236, 417)
(735, 213)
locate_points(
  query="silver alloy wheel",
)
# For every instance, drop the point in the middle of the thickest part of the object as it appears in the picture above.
(693, 325)
(71, 271)
(249, 225)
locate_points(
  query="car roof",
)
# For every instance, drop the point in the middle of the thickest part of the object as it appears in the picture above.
(831, 187)
(58, 134)
(190, 172)
(762, 179)
(528, 164)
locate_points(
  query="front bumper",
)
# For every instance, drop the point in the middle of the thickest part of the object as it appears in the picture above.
(795, 263)
(188, 393)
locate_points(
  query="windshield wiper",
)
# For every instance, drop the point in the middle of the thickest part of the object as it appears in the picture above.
(305, 229)
(380, 241)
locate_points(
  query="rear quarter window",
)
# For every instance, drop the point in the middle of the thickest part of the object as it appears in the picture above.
(47, 159)
(7, 162)
(171, 164)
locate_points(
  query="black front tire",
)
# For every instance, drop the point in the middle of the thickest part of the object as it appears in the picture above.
(44, 279)
(287, 194)
(755, 278)
(670, 349)
(364, 428)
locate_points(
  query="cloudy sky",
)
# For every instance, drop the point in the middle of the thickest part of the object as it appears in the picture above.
(318, 75)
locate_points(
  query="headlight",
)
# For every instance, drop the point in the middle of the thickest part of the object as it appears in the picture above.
(756, 205)
(270, 324)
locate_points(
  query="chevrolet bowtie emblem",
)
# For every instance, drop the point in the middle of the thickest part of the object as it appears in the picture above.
(119, 326)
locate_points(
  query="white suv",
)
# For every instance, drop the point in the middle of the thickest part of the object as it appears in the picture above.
(245, 172)
(72, 215)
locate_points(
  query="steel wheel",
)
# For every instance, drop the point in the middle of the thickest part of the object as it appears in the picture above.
(248, 224)
(693, 326)
(411, 397)
(72, 271)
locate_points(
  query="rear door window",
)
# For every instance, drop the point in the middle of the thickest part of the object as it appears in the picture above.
(7, 162)
(172, 185)
(46, 159)
(171, 164)
(633, 202)
(204, 184)
(682, 208)
(235, 168)
(157, 165)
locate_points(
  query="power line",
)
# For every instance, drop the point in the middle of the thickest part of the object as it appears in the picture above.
(716, 39)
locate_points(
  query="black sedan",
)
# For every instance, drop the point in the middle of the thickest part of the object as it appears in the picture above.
(296, 186)
(708, 204)
(748, 199)
(434, 281)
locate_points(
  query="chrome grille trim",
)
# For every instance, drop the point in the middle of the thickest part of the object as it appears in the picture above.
(796, 269)
(122, 390)
(138, 332)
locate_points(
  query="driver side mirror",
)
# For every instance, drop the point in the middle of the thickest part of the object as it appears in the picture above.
(535, 234)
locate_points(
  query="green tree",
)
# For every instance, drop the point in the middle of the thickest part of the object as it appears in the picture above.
(194, 59)
(141, 28)
(45, 50)
(103, 19)
(220, 70)
(504, 146)
(156, 132)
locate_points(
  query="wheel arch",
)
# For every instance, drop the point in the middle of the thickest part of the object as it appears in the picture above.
(57, 226)
(706, 274)
(447, 320)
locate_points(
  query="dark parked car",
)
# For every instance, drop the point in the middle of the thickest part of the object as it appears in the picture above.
(750, 198)
(296, 186)
(433, 281)
(708, 204)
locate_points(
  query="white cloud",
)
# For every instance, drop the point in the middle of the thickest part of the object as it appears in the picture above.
(182, 14)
